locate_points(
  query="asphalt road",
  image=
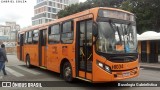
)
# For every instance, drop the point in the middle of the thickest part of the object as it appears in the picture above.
(18, 72)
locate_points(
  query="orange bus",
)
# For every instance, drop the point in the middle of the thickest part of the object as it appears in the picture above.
(96, 45)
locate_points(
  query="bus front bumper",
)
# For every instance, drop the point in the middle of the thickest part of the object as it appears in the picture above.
(103, 76)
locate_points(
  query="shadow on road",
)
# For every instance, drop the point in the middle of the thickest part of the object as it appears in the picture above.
(76, 83)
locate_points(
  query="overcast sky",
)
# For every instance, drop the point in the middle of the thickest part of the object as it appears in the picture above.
(21, 13)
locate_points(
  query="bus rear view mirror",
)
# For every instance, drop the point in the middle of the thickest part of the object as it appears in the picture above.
(95, 29)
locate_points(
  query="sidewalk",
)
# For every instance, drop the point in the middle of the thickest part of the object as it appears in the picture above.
(11, 53)
(150, 65)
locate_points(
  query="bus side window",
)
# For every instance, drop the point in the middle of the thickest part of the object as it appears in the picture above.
(18, 39)
(35, 36)
(54, 34)
(21, 39)
(26, 38)
(67, 32)
(44, 38)
(29, 37)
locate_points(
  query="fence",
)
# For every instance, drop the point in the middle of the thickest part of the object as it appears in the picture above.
(10, 47)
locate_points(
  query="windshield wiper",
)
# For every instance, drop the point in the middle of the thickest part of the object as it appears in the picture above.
(126, 38)
(129, 28)
(117, 29)
(119, 35)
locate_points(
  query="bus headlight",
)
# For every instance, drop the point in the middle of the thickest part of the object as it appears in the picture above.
(103, 66)
(100, 64)
(107, 69)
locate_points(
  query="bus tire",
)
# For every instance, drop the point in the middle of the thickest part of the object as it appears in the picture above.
(28, 65)
(67, 72)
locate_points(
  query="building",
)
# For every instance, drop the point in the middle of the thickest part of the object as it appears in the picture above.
(149, 47)
(46, 10)
(9, 31)
(73, 1)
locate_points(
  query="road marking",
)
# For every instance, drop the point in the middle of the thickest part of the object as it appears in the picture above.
(15, 73)
(27, 70)
(141, 68)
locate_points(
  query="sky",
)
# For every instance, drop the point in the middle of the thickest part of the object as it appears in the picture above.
(82, 0)
(21, 13)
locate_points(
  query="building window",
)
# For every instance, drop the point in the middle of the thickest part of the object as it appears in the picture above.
(45, 8)
(50, 3)
(43, 20)
(65, 1)
(49, 9)
(54, 34)
(53, 4)
(39, 10)
(58, 5)
(53, 16)
(53, 10)
(33, 22)
(62, 6)
(35, 11)
(39, 21)
(61, 1)
(46, 20)
(67, 32)
(49, 15)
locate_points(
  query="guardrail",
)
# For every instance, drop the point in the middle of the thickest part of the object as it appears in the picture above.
(10, 47)
(11, 50)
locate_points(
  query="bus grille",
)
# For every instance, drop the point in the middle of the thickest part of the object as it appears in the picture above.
(122, 59)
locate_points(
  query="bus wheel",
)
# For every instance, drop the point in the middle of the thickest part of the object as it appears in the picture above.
(28, 62)
(67, 72)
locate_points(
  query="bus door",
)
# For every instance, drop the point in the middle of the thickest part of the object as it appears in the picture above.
(21, 46)
(84, 52)
(42, 48)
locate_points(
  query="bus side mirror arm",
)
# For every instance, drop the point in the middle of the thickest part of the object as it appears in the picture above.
(95, 29)
(95, 32)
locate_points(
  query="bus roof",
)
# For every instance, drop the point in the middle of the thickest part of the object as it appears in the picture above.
(71, 17)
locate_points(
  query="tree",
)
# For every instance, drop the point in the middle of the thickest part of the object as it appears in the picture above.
(147, 13)
(74, 8)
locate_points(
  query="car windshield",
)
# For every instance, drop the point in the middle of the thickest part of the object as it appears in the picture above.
(116, 38)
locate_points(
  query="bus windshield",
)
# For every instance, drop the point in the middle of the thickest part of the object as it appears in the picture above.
(116, 38)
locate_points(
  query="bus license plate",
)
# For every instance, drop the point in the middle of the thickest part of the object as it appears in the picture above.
(125, 74)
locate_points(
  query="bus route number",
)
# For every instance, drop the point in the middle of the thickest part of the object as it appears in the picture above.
(117, 66)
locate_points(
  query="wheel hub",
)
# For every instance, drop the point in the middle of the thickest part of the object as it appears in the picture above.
(68, 72)
(27, 63)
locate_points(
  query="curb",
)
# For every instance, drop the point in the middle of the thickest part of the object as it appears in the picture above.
(11, 53)
(150, 67)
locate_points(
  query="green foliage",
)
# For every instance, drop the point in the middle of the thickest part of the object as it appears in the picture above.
(74, 8)
(147, 13)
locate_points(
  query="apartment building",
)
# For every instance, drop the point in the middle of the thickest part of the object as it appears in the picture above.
(46, 10)
(9, 31)
(73, 1)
